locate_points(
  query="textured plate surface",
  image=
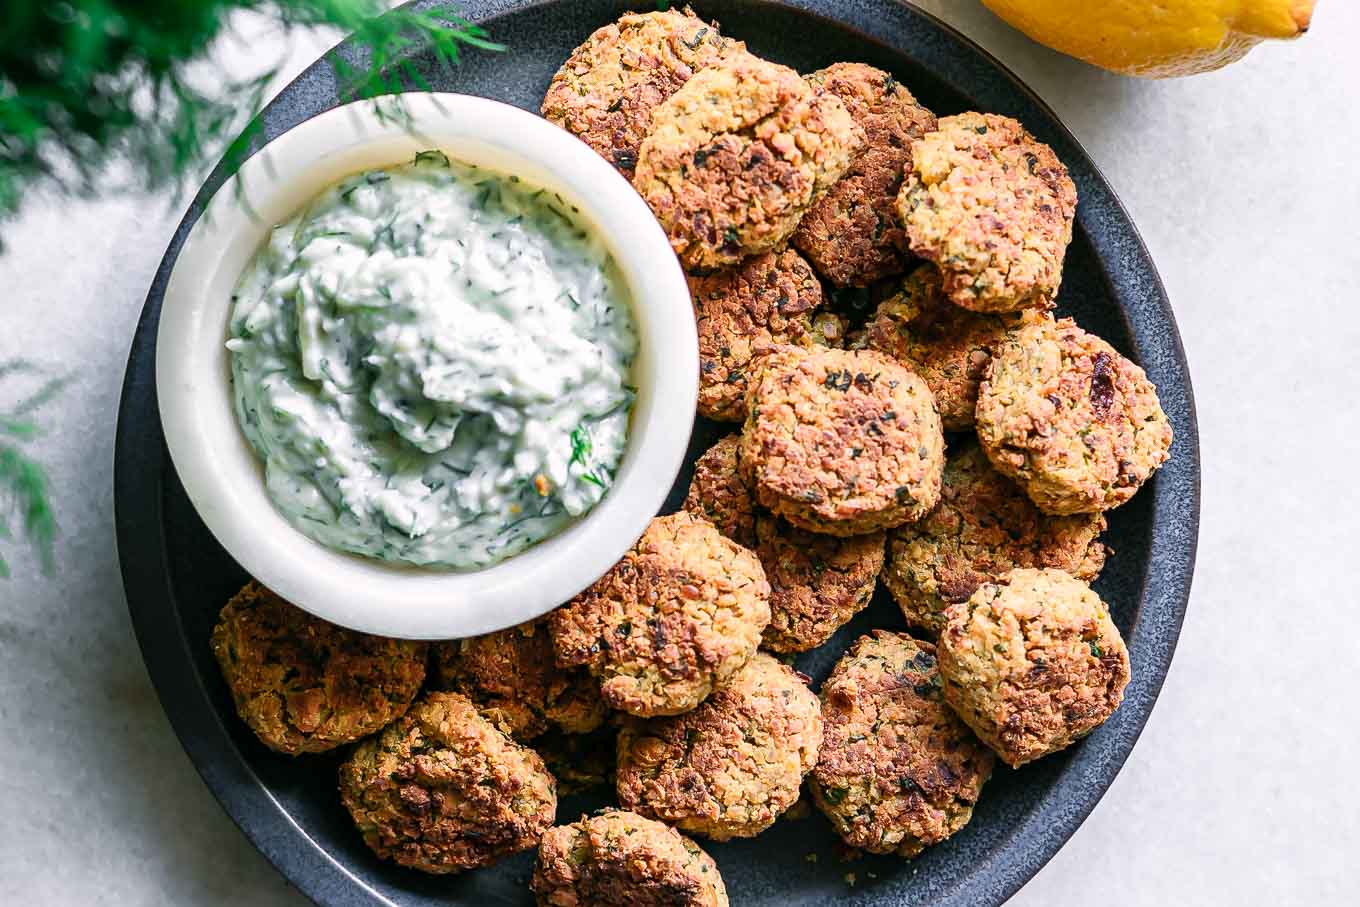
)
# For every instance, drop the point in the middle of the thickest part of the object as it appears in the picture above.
(177, 577)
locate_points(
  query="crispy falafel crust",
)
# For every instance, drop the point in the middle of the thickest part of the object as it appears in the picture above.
(735, 157)
(732, 766)
(606, 90)
(898, 771)
(443, 789)
(851, 234)
(617, 858)
(948, 346)
(513, 678)
(817, 582)
(678, 616)
(718, 494)
(1032, 663)
(1075, 423)
(992, 207)
(841, 442)
(304, 685)
(746, 311)
(984, 526)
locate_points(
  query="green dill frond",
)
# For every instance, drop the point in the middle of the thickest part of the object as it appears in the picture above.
(89, 84)
(25, 492)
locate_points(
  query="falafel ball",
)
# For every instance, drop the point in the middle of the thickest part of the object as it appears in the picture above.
(443, 789)
(948, 346)
(617, 858)
(841, 442)
(1032, 662)
(984, 526)
(675, 618)
(736, 156)
(746, 311)
(1075, 423)
(513, 678)
(898, 771)
(606, 90)
(718, 494)
(992, 207)
(729, 768)
(851, 234)
(817, 582)
(304, 685)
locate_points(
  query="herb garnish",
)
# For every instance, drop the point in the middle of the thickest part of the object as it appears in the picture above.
(24, 489)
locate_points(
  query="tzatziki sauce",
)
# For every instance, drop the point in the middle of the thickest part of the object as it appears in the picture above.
(433, 362)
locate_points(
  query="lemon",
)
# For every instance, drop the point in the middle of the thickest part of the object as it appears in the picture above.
(1156, 38)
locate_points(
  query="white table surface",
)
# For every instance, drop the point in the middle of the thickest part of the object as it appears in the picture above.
(1240, 791)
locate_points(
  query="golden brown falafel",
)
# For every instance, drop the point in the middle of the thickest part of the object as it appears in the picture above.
(718, 494)
(513, 678)
(678, 616)
(443, 789)
(304, 685)
(730, 767)
(617, 858)
(992, 207)
(817, 582)
(606, 90)
(746, 311)
(1032, 662)
(948, 346)
(898, 771)
(1075, 423)
(851, 234)
(841, 442)
(735, 157)
(984, 526)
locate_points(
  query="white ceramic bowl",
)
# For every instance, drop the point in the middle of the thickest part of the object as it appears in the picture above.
(224, 478)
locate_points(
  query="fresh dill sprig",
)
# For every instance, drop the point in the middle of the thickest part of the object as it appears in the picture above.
(101, 96)
(25, 492)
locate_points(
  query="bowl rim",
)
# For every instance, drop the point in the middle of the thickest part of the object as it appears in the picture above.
(223, 476)
(268, 824)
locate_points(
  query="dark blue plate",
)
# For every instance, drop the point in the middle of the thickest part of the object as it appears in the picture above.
(177, 577)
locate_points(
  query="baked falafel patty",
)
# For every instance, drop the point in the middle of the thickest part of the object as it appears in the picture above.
(992, 207)
(606, 90)
(898, 771)
(443, 789)
(732, 766)
(304, 685)
(678, 616)
(1075, 423)
(984, 526)
(616, 858)
(513, 678)
(851, 234)
(746, 311)
(948, 346)
(718, 494)
(735, 157)
(841, 442)
(817, 582)
(1032, 662)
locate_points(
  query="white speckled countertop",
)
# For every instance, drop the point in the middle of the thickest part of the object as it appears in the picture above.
(1243, 184)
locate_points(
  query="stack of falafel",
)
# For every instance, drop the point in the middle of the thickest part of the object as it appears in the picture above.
(777, 191)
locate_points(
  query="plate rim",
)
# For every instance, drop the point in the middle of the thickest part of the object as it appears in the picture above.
(305, 864)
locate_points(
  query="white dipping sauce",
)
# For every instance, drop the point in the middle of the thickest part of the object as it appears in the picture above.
(433, 362)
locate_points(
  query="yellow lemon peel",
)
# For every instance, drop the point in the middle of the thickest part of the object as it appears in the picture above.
(1156, 38)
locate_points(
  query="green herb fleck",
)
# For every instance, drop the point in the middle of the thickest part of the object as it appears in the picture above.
(580, 445)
